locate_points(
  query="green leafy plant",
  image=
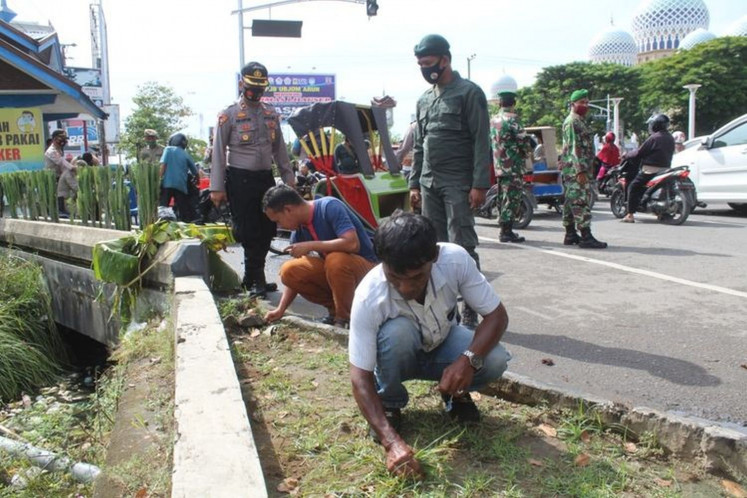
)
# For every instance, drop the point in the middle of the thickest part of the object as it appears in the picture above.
(146, 179)
(30, 348)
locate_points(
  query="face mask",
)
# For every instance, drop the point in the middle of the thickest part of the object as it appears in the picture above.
(581, 109)
(253, 93)
(432, 73)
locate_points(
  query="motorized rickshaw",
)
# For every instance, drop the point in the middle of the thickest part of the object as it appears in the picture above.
(542, 168)
(378, 189)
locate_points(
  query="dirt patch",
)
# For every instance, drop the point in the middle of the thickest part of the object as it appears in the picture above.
(312, 440)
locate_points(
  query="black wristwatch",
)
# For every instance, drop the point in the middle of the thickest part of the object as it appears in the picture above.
(475, 360)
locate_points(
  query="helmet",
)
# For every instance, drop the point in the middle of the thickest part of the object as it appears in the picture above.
(679, 137)
(609, 137)
(178, 140)
(658, 122)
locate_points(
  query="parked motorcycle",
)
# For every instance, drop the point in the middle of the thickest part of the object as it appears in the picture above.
(491, 208)
(670, 195)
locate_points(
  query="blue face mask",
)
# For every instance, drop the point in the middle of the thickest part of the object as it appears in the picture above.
(433, 73)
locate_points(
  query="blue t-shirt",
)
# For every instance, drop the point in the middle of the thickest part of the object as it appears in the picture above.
(177, 162)
(331, 219)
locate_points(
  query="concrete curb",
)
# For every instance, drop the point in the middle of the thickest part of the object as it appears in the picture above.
(214, 451)
(718, 449)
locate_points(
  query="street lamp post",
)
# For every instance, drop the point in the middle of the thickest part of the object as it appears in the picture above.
(616, 126)
(693, 87)
(469, 65)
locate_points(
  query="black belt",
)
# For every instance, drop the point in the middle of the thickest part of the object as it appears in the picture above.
(249, 173)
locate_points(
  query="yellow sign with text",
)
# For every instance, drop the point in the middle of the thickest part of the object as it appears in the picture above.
(21, 139)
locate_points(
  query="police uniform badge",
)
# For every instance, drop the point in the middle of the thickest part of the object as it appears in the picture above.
(257, 73)
(222, 118)
(241, 115)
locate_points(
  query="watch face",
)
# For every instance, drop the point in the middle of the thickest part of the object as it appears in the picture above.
(476, 362)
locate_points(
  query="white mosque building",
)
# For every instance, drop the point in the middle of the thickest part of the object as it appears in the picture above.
(659, 29)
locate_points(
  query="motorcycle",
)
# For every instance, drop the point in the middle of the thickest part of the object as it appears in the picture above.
(606, 185)
(491, 208)
(670, 195)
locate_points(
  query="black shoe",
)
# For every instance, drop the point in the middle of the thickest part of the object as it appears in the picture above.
(469, 318)
(258, 289)
(328, 320)
(394, 416)
(511, 236)
(571, 239)
(461, 408)
(589, 242)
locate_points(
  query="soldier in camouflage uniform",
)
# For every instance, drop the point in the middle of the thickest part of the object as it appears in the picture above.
(511, 147)
(247, 140)
(576, 163)
(152, 151)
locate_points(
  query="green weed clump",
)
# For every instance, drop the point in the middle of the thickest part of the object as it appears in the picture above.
(31, 351)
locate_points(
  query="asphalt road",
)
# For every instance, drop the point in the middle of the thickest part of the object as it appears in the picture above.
(658, 319)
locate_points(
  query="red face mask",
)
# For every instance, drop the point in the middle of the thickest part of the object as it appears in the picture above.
(581, 109)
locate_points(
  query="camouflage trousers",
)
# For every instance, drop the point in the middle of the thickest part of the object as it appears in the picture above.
(510, 199)
(577, 205)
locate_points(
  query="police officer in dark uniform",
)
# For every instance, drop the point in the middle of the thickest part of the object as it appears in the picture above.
(247, 139)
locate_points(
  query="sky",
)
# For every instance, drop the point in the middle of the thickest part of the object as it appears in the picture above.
(192, 46)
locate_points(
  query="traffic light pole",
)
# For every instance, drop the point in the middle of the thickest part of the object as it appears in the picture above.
(240, 12)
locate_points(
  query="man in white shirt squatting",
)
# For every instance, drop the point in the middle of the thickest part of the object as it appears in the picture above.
(403, 327)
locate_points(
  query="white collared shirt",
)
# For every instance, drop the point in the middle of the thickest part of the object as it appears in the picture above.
(454, 273)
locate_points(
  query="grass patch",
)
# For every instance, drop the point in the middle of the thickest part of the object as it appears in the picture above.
(30, 348)
(307, 427)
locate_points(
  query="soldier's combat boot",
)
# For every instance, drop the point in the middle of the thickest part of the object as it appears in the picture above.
(508, 235)
(571, 237)
(589, 242)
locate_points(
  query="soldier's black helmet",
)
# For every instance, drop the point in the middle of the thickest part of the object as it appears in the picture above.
(178, 140)
(432, 45)
(254, 74)
(659, 122)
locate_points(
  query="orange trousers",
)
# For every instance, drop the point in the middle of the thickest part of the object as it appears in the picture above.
(329, 282)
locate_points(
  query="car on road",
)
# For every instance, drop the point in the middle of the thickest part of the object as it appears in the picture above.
(718, 164)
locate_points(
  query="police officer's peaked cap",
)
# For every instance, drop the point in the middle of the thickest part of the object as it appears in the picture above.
(254, 74)
(150, 133)
(432, 45)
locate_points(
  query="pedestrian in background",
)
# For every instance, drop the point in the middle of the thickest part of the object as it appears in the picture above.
(176, 166)
(152, 151)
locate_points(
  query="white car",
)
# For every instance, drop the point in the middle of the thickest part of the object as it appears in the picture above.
(718, 164)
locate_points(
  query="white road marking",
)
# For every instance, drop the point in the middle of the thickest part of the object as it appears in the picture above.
(629, 269)
(535, 313)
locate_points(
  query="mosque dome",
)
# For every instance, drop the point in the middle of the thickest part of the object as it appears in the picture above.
(503, 84)
(663, 24)
(739, 28)
(613, 45)
(696, 37)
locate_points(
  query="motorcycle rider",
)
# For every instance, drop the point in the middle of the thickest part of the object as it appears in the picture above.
(608, 155)
(511, 147)
(653, 156)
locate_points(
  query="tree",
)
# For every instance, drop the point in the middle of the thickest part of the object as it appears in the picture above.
(157, 108)
(196, 148)
(546, 102)
(719, 65)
